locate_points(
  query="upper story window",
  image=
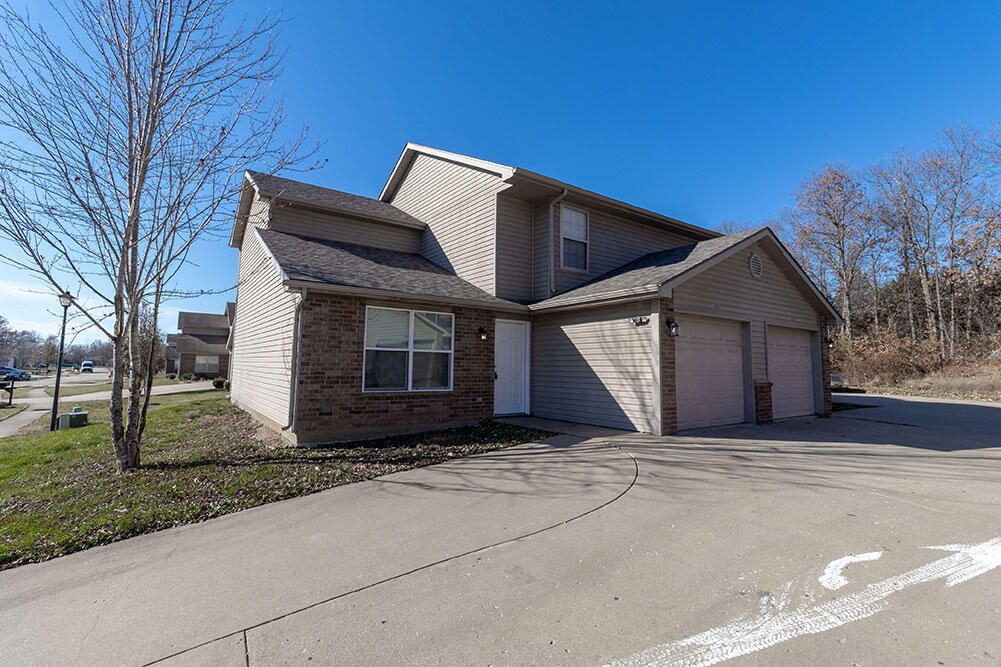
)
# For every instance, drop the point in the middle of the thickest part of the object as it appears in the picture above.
(407, 350)
(573, 242)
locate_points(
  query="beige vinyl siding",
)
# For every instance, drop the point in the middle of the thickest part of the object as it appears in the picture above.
(261, 362)
(728, 290)
(458, 204)
(540, 250)
(612, 241)
(514, 249)
(594, 367)
(305, 222)
(260, 211)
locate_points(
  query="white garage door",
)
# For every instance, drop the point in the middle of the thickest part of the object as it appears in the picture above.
(710, 372)
(791, 372)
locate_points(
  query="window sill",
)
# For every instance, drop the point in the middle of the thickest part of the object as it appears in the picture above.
(405, 391)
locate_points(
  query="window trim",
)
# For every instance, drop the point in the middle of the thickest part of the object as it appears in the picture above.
(410, 353)
(587, 242)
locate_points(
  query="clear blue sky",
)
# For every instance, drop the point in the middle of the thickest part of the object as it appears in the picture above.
(703, 111)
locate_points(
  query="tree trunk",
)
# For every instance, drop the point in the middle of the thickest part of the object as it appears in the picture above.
(135, 385)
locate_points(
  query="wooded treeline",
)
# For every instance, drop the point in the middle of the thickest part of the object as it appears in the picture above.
(909, 250)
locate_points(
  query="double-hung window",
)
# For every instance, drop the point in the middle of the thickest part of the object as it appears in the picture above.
(573, 241)
(407, 350)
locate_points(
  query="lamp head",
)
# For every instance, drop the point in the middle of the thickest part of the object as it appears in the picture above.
(65, 299)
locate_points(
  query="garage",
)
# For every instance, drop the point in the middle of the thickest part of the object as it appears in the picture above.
(709, 355)
(791, 372)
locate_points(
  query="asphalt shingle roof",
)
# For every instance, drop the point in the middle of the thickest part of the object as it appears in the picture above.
(201, 344)
(276, 186)
(202, 321)
(303, 258)
(648, 271)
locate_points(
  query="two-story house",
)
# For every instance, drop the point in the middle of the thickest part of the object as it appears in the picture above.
(470, 289)
(200, 348)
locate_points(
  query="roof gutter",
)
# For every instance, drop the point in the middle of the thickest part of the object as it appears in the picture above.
(608, 298)
(622, 206)
(392, 295)
(552, 241)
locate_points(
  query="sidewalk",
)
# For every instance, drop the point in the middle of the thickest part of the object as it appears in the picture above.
(40, 403)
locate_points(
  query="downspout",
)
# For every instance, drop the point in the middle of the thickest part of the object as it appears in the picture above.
(293, 403)
(552, 241)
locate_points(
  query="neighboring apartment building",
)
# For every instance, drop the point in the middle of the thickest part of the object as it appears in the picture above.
(170, 354)
(202, 346)
(470, 289)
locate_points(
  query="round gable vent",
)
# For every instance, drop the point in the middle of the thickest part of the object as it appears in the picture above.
(754, 264)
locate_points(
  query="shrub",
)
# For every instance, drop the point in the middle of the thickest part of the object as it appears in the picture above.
(185, 377)
(219, 383)
(171, 376)
(883, 359)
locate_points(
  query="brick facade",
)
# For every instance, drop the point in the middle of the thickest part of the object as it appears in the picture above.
(825, 367)
(186, 364)
(331, 403)
(763, 402)
(668, 370)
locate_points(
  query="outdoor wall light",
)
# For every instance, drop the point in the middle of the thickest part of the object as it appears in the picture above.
(483, 333)
(830, 343)
(640, 320)
(672, 328)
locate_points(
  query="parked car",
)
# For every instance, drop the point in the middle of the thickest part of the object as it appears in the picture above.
(70, 364)
(9, 373)
(87, 367)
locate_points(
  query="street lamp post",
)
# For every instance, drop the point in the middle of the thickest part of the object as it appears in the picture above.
(65, 299)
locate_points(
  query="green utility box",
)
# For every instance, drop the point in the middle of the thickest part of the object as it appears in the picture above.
(73, 419)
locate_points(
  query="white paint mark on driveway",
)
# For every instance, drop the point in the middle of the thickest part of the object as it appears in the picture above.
(832, 579)
(778, 624)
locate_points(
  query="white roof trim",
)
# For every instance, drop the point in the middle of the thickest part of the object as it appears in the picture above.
(412, 149)
(267, 251)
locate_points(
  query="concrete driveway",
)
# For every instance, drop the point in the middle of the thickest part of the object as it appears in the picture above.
(793, 543)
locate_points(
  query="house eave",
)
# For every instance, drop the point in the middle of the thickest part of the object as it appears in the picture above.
(608, 298)
(411, 149)
(397, 295)
(623, 207)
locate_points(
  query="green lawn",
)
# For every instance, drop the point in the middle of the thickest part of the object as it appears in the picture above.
(10, 411)
(77, 389)
(202, 458)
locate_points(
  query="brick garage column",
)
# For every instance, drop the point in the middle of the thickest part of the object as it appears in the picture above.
(668, 370)
(825, 367)
(763, 402)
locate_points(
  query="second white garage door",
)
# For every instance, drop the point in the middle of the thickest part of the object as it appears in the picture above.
(791, 372)
(710, 372)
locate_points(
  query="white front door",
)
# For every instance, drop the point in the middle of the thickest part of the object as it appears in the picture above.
(709, 355)
(511, 367)
(790, 369)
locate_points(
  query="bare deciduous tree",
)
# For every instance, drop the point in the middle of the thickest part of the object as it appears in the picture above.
(129, 139)
(835, 227)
